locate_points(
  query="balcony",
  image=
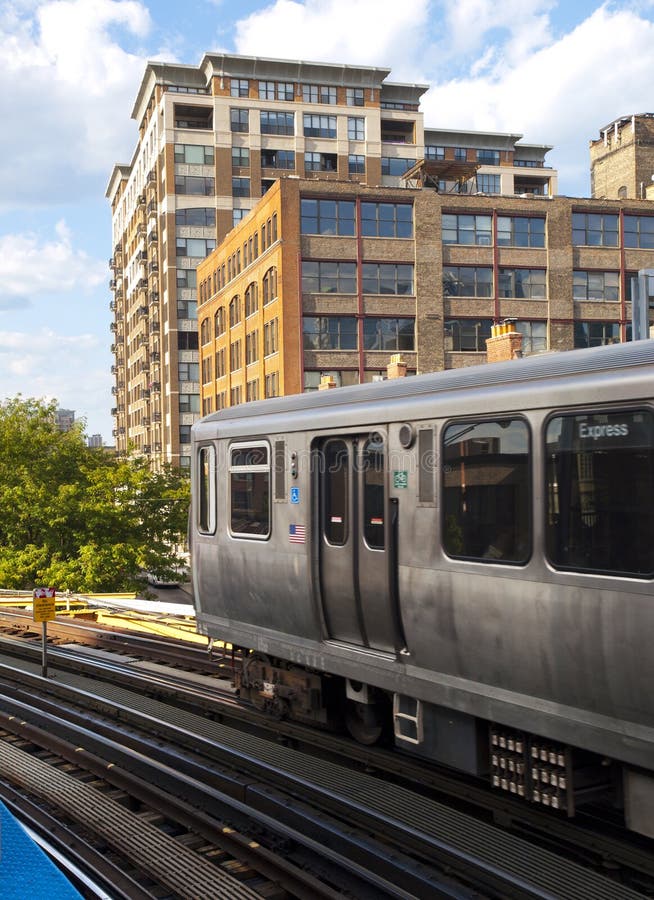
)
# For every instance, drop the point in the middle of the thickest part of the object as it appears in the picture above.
(156, 387)
(112, 284)
(155, 356)
(145, 421)
(152, 236)
(142, 256)
(141, 200)
(156, 418)
(153, 267)
(113, 327)
(112, 305)
(152, 177)
(142, 284)
(152, 208)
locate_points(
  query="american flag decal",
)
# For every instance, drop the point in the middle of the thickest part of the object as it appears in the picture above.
(297, 534)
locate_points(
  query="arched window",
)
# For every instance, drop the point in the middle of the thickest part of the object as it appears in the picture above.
(219, 322)
(270, 286)
(251, 299)
(234, 311)
(205, 331)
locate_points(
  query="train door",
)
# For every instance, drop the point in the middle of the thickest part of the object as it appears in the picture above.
(357, 547)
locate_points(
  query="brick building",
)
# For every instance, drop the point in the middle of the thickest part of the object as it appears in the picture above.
(363, 273)
(622, 158)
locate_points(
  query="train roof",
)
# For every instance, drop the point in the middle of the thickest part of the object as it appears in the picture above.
(607, 359)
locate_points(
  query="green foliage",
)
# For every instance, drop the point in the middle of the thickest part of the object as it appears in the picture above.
(77, 518)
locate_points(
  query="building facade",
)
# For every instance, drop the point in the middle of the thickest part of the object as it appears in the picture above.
(361, 274)
(622, 158)
(213, 139)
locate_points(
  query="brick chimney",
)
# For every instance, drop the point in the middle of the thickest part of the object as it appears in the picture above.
(396, 367)
(504, 343)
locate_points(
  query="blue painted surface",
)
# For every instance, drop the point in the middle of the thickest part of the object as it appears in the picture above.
(25, 870)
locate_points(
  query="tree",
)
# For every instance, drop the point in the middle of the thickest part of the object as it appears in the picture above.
(77, 518)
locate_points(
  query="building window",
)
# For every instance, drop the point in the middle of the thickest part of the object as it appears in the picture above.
(238, 215)
(187, 309)
(467, 281)
(221, 399)
(235, 396)
(520, 231)
(594, 230)
(235, 358)
(239, 87)
(285, 90)
(207, 374)
(240, 187)
(329, 333)
(342, 377)
(200, 117)
(354, 96)
(639, 232)
(251, 347)
(234, 311)
(272, 384)
(387, 278)
(220, 363)
(186, 278)
(467, 229)
(528, 284)
(194, 184)
(432, 152)
(356, 128)
(388, 334)
(387, 220)
(318, 93)
(487, 491)
(327, 217)
(267, 90)
(219, 322)
(319, 126)
(534, 336)
(252, 390)
(277, 122)
(251, 299)
(240, 157)
(595, 285)
(468, 335)
(194, 247)
(278, 159)
(488, 157)
(596, 334)
(392, 166)
(200, 216)
(194, 154)
(460, 154)
(270, 337)
(189, 403)
(356, 164)
(320, 277)
(239, 119)
(188, 371)
(205, 331)
(488, 184)
(187, 340)
(270, 286)
(320, 162)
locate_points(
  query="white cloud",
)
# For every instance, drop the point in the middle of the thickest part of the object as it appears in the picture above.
(562, 94)
(68, 368)
(65, 85)
(30, 266)
(358, 32)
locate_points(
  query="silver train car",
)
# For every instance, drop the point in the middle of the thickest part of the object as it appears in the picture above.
(464, 560)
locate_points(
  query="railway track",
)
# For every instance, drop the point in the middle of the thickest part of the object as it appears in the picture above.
(414, 844)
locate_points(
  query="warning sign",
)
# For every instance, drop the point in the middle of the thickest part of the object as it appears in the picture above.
(43, 604)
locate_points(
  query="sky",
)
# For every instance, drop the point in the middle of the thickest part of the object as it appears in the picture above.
(70, 71)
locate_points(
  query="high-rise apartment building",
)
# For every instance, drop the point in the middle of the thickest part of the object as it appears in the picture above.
(212, 140)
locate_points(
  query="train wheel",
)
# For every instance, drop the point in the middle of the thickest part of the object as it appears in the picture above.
(364, 721)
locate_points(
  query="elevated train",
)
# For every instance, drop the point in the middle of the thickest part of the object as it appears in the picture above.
(463, 559)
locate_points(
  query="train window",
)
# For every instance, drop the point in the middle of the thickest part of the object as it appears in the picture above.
(249, 490)
(373, 492)
(600, 493)
(207, 490)
(335, 492)
(486, 491)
